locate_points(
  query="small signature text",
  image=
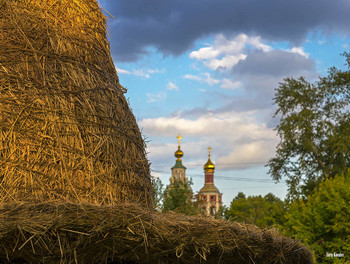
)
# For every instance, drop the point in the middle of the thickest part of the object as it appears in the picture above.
(334, 255)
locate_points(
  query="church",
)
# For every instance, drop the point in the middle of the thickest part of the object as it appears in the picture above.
(209, 198)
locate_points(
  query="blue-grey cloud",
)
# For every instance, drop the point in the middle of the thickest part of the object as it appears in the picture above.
(261, 72)
(172, 26)
(274, 63)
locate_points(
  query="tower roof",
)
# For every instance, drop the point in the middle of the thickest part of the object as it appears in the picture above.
(178, 165)
(209, 188)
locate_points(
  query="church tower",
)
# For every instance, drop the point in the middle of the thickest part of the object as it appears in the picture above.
(178, 171)
(209, 197)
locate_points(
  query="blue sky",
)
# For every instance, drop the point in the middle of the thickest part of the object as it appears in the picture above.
(209, 69)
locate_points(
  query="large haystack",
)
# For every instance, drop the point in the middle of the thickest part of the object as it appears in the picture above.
(126, 233)
(66, 130)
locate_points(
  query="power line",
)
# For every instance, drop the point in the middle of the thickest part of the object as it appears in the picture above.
(216, 164)
(221, 177)
(256, 187)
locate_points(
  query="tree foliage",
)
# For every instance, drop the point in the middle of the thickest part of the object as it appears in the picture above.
(157, 193)
(178, 198)
(262, 211)
(314, 131)
(323, 221)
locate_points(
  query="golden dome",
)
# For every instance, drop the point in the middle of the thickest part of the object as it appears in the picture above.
(178, 154)
(209, 165)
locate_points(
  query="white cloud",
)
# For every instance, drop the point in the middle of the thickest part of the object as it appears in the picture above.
(299, 50)
(236, 137)
(209, 124)
(256, 152)
(152, 98)
(230, 85)
(205, 53)
(203, 77)
(172, 86)
(122, 71)
(146, 73)
(225, 53)
(152, 71)
(193, 77)
(226, 62)
(207, 78)
(156, 174)
(256, 43)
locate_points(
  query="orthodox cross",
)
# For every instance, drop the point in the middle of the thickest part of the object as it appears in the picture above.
(209, 150)
(179, 138)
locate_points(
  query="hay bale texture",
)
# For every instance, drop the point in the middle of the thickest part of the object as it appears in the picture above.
(127, 233)
(66, 130)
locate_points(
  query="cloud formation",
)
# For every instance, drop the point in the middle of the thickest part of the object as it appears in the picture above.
(256, 75)
(274, 63)
(203, 77)
(155, 97)
(239, 137)
(226, 53)
(146, 73)
(172, 86)
(173, 27)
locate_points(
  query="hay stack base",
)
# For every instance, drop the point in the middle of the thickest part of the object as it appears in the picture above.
(127, 233)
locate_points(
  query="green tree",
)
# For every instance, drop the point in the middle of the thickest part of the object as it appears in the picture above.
(221, 213)
(323, 221)
(314, 131)
(157, 193)
(178, 198)
(262, 211)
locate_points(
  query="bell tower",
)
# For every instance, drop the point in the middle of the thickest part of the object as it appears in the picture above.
(209, 197)
(178, 171)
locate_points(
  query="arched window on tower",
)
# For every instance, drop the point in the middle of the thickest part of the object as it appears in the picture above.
(212, 210)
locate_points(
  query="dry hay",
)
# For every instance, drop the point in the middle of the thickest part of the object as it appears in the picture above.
(66, 130)
(126, 233)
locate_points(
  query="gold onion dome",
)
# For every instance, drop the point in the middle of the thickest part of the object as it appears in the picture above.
(209, 165)
(178, 154)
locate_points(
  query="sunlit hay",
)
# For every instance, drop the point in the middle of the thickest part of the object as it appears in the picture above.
(66, 130)
(76, 233)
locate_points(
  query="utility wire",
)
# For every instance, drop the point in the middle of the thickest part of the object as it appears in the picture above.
(216, 164)
(220, 177)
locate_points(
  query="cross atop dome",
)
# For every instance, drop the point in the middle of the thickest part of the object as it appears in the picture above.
(209, 150)
(179, 139)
